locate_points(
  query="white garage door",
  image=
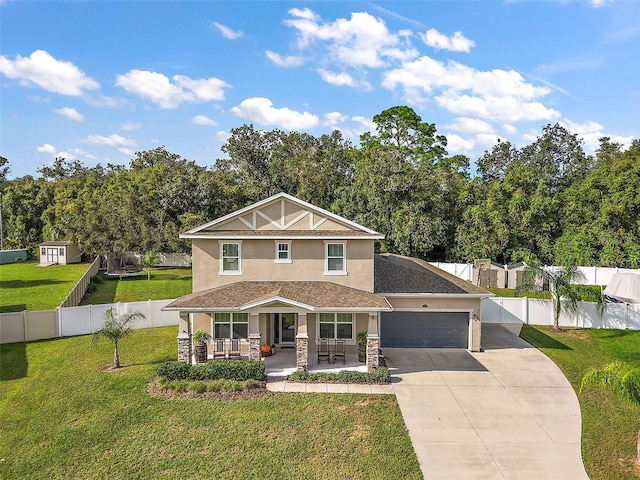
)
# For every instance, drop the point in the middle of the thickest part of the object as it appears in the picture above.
(424, 330)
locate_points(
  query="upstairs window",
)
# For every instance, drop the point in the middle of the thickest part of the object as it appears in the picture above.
(335, 259)
(283, 252)
(230, 258)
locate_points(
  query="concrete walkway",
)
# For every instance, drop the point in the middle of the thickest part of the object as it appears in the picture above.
(505, 413)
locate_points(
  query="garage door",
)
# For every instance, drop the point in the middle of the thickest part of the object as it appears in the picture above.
(424, 329)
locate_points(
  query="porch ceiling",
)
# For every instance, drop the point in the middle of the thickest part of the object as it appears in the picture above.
(309, 295)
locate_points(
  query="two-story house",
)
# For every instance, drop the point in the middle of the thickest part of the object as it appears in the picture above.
(285, 272)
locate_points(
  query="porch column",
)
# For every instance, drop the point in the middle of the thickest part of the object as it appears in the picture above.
(184, 339)
(254, 336)
(302, 344)
(373, 343)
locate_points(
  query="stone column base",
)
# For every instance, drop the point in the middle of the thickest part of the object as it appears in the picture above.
(254, 346)
(373, 345)
(184, 347)
(302, 353)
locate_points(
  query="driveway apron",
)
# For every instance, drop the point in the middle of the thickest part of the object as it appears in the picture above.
(505, 413)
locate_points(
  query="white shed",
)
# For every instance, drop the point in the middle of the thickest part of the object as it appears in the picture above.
(59, 252)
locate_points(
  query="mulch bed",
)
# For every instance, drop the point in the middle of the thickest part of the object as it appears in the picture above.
(259, 390)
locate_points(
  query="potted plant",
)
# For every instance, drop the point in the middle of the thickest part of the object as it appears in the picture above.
(200, 338)
(361, 337)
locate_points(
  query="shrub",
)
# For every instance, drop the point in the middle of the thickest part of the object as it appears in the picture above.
(172, 371)
(381, 375)
(214, 370)
(235, 370)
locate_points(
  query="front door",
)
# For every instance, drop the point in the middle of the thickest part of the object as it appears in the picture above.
(52, 255)
(285, 328)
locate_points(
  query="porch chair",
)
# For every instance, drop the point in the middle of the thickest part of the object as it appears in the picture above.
(323, 349)
(234, 349)
(219, 350)
(340, 351)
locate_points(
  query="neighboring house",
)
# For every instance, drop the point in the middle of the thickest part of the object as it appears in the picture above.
(284, 272)
(59, 252)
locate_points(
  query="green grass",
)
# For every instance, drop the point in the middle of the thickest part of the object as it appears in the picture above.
(63, 416)
(165, 283)
(28, 286)
(609, 426)
(511, 293)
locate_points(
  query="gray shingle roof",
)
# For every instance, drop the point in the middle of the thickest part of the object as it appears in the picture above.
(398, 274)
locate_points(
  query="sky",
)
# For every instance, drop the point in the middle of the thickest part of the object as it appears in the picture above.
(99, 81)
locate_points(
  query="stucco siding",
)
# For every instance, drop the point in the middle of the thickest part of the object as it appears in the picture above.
(258, 263)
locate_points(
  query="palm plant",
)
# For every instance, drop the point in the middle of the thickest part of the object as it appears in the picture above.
(148, 260)
(623, 380)
(115, 327)
(561, 283)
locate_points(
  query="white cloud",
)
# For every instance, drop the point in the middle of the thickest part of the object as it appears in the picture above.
(486, 140)
(439, 41)
(305, 13)
(290, 61)
(366, 123)
(129, 126)
(222, 136)
(41, 69)
(339, 79)
(70, 113)
(470, 125)
(127, 151)
(47, 148)
(113, 140)
(203, 120)
(262, 111)
(591, 132)
(159, 89)
(361, 41)
(332, 119)
(227, 32)
(457, 144)
(510, 129)
(498, 95)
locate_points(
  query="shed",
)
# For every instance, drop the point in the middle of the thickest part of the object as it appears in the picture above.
(13, 256)
(488, 274)
(515, 274)
(59, 253)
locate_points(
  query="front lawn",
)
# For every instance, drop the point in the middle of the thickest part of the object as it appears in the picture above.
(64, 416)
(28, 286)
(609, 426)
(165, 283)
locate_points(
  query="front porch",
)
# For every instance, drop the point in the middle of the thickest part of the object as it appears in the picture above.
(293, 316)
(283, 363)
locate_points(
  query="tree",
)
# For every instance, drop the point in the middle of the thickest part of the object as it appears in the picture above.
(396, 189)
(560, 282)
(148, 260)
(115, 327)
(622, 379)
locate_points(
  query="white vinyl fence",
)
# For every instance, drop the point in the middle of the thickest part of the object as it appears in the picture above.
(27, 326)
(591, 275)
(524, 310)
(89, 318)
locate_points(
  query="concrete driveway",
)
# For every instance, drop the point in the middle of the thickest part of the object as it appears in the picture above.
(505, 413)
